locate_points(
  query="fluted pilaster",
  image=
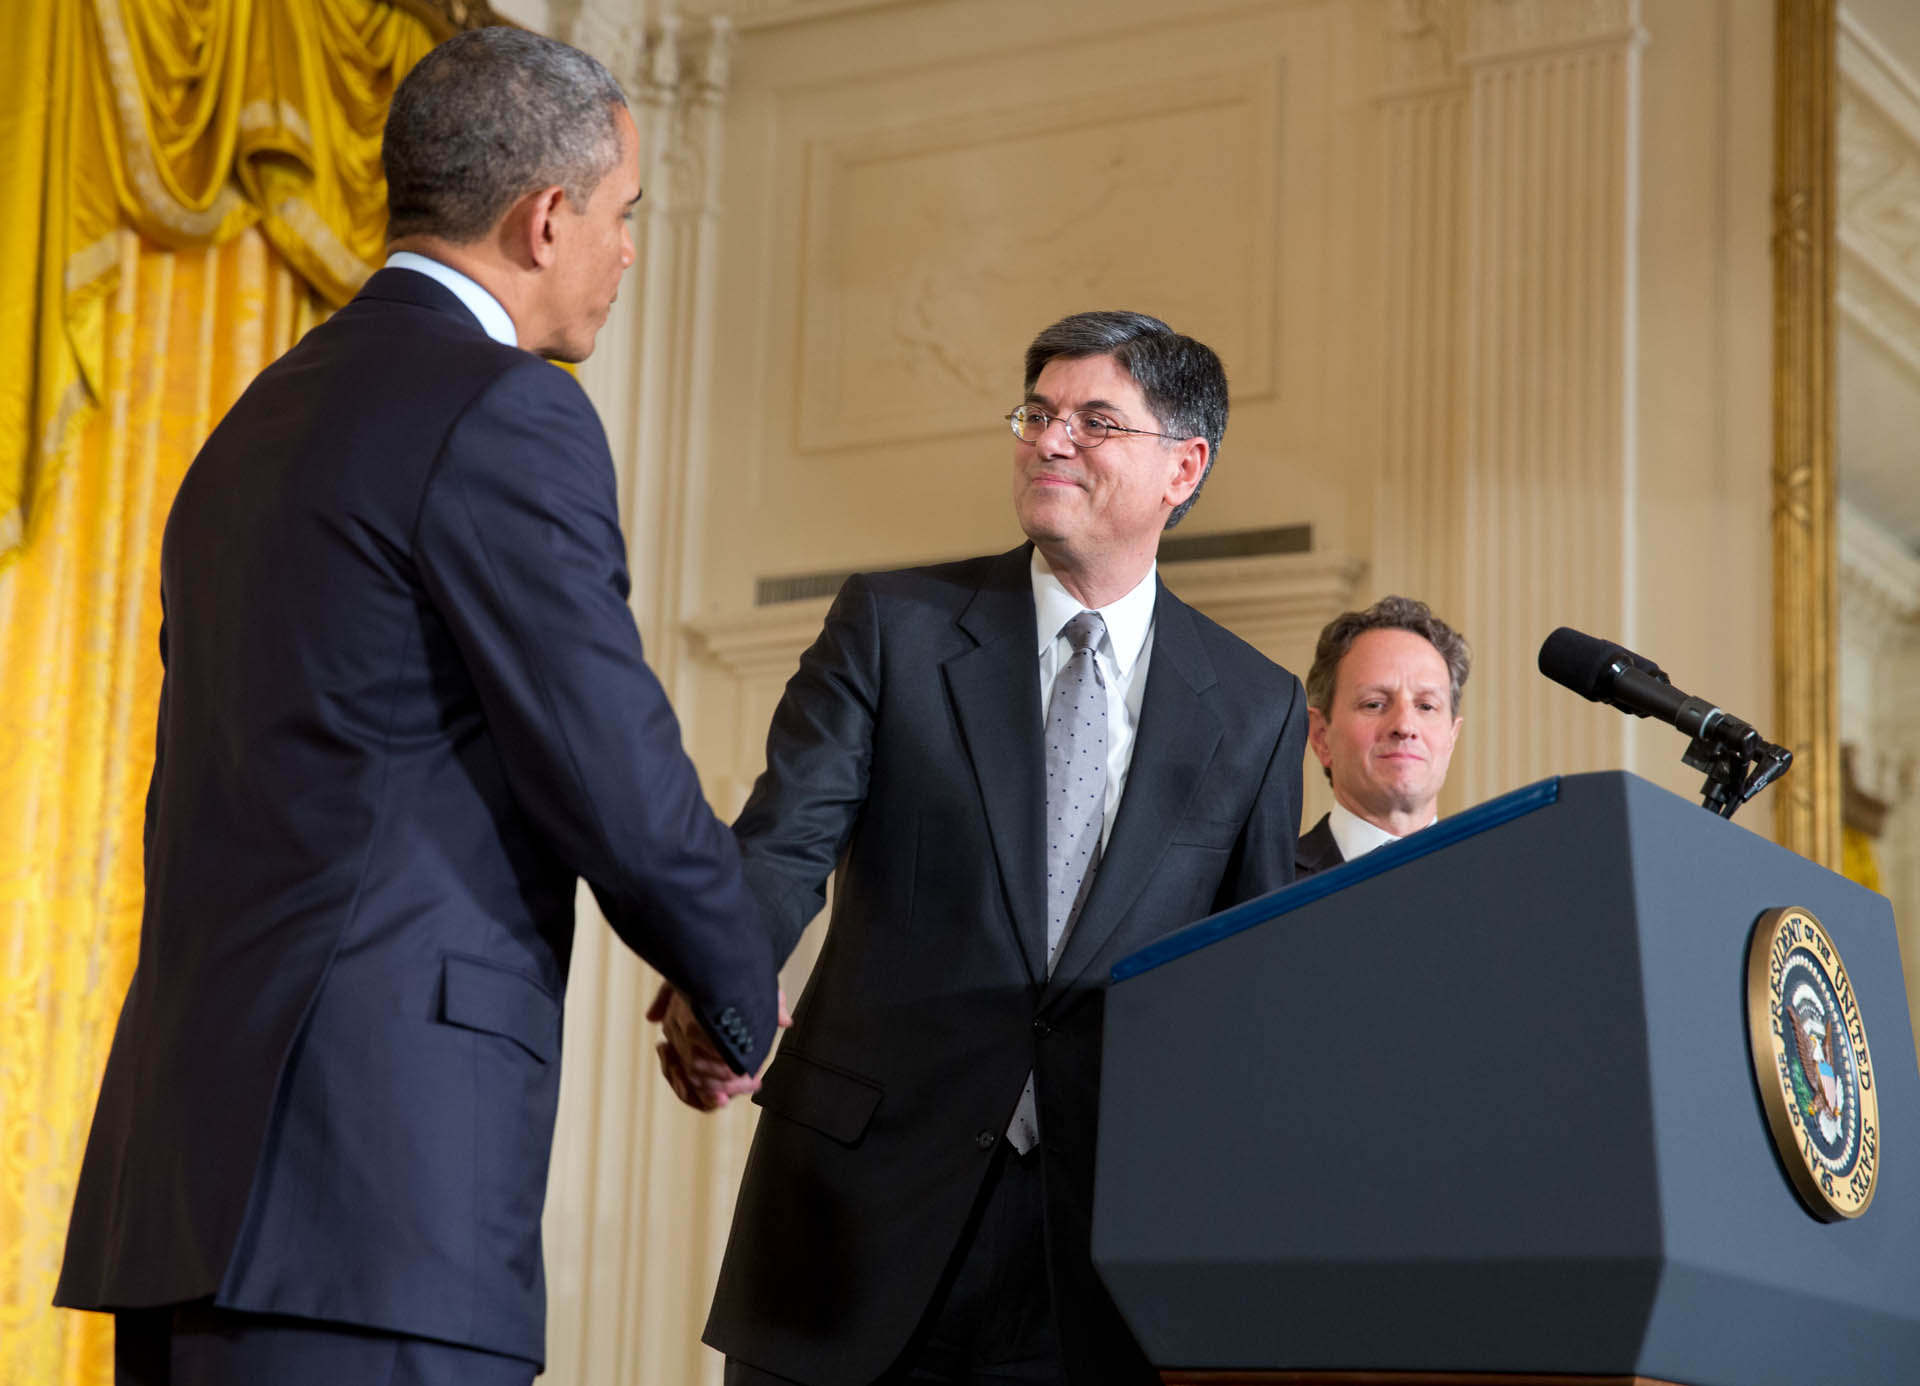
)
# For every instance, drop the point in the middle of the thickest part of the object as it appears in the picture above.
(1420, 515)
(1548, 469)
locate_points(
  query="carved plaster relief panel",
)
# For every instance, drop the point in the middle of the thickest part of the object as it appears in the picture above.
(909, 198)
(907, 329)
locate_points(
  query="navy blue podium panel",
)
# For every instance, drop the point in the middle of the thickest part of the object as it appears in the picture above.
(1483, 1100)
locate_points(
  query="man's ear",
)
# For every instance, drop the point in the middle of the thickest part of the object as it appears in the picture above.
(1190, 459)
(541, 211)
(1317, 736)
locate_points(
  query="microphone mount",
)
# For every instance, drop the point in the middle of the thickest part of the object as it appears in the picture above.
(1737, 760)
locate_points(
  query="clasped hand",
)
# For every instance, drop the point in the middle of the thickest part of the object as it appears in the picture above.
(691, 1063)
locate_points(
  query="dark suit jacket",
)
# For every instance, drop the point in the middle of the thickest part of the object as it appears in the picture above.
(1317, 850)
(404, 710)
(907, 752)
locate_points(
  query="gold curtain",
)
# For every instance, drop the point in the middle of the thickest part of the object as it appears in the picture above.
(206, 180)
(189, 120)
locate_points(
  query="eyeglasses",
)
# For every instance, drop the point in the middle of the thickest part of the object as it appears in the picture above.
(1086, 428)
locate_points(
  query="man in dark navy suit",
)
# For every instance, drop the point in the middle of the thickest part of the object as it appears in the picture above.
(1023, 768)
(405, 711)
(1383, 699)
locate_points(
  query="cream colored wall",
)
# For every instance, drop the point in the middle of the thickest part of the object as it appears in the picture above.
(1490, 278)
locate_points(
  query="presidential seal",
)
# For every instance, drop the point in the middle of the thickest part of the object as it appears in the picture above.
(1811, 1059)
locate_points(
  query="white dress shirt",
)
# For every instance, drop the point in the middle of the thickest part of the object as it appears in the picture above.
(1356, 836)
(483, 305)
(1122, 655)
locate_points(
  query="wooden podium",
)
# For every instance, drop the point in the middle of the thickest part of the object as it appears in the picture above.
(1482, 1107)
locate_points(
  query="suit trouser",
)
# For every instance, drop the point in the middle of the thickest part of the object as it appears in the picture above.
(992, 1319)
(197, 1344)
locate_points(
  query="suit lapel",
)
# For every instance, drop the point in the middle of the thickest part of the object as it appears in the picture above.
(1171, 751)
(995, 689)
(1318, 850)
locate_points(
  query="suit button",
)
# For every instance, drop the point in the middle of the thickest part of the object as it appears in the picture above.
(985, 1140)
(1042, 1029)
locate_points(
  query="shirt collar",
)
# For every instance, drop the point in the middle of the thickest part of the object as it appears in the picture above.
(1128, 618)
(494, 320)
(1355, 835)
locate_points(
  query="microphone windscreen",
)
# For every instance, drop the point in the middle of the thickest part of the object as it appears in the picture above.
(1580, 662)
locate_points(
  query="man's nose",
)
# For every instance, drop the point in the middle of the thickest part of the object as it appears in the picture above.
(1054, 440)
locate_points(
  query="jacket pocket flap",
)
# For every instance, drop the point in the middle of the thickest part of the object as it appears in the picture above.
(479, 995)
(828, 1099)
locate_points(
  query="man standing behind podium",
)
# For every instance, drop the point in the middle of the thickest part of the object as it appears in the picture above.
(1024, 767)
(1384, 702)
(404, 710)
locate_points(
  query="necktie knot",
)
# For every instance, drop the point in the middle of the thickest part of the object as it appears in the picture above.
(1083, 632)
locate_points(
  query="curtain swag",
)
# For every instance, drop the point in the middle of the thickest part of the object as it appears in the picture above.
(190, 121)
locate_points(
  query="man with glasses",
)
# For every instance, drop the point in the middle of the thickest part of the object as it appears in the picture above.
(1023, 768)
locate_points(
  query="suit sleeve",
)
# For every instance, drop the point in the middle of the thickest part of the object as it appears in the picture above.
(1264, 860)
(804, 806)
(519, 548)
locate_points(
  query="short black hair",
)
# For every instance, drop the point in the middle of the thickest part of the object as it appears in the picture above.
(487, 117)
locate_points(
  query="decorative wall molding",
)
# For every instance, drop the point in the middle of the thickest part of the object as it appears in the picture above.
(1878, 194)
(1277, 604)
(1548, 472)
(764, 641)
(1510, 150)
(1879, 582)
(641, 1188)
(1503, 30)
(612, 32)
(445, 18)
(1268, 602)
(767, 14)
(895, 317)
(1421, 42)
(1419, 510)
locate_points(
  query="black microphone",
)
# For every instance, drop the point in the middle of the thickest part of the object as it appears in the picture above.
(1608, 673)
(1738, 761)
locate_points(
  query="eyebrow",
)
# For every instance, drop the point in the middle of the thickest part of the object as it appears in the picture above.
(1035, 397)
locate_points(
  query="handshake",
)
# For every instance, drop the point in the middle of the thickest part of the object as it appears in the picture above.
(690, 1061)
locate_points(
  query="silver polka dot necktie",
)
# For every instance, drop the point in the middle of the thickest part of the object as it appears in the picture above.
(1076, 756)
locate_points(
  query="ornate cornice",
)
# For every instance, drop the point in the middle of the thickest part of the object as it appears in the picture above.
(1878, 197)
(1879, 579)
(1420, 43)
(1502, 30)
(448, 17)
(766, 14)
